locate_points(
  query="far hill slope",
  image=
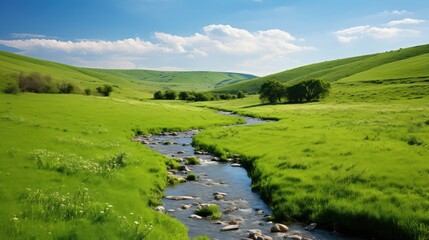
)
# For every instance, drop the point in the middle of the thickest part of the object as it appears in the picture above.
(130, 83)
(403, 63)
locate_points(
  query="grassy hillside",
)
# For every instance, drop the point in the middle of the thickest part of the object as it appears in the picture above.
(69, 169)
(379, 66)
(127, 83)
(356, 162)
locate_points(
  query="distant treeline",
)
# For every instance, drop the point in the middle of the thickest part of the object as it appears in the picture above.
(37, 83)
(196, 96)
(274, 91)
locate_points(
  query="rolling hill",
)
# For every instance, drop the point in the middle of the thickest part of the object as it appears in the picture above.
(132, 83)
(408, 63)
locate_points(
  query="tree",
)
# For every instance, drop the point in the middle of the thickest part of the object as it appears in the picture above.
(158, 95)
(170, 95)
(240, 94)
(105, 90)
(309, 90)
(271, 91)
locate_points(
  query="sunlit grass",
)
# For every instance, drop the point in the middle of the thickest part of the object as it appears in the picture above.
(356, 165)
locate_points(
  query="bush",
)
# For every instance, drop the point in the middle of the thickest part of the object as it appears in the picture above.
(88, 91)
(170, 95)
(37, 83)
(158, 95)
(66, 87)
(240, 94)
(12, 88)
(210, 211)
(105, 90)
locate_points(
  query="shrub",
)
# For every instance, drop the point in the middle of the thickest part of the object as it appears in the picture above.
(158, 95)
(240, 94)
(11, 88)
(414, 141)
(37, 83)
(88, 91)
(210, 211)
(170, 95)
(105, 90)
(66, 87)
(192, 161)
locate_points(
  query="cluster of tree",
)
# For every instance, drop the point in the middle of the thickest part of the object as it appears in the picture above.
(195, 96)
(274, 91)
(38, 83)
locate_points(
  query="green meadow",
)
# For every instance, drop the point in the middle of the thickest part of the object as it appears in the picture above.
(70, 170)
(136, 84)
(356, 162)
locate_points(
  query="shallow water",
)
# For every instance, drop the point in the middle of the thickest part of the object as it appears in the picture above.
(240, 202)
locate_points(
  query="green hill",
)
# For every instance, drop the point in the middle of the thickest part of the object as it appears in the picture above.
(403, 63)
(134, 83)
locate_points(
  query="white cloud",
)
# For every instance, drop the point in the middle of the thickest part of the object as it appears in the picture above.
(366, 31)
(399, 12)
(405, 21)
(217, 48)
(27, 35)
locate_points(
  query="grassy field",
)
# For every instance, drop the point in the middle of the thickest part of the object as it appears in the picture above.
(135, 84)
(357, 162)
(402, 63)
(70, 170)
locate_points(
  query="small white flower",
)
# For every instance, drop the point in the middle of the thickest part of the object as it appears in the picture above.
(15, 219)
(136, 223)
(102, 212)
(131, 214)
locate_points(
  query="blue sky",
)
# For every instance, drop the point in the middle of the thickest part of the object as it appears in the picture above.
(251, 36)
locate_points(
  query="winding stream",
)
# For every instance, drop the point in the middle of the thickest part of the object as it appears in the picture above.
(240, 204)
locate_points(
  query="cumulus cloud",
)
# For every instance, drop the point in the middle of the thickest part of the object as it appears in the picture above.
(217, 47)
(405, 21)
(366, 31)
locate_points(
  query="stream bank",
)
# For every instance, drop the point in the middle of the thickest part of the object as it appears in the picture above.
(225, 184)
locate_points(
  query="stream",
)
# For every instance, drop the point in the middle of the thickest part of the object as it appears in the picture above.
(240, 205)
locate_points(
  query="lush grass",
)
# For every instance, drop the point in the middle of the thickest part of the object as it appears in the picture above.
(402, 63)
(70, 170)
(127, 83)
(356, 162)
(211, 211)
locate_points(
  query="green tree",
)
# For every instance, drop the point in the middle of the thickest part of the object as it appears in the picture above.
(158, 95)
(240, 94)
(272, 91)
(307, 91)
(170, 95)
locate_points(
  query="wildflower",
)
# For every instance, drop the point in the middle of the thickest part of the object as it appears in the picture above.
(136, 223)
(131, 214)
(49, 233)
(80, 211)
(102, 212)
(15, 219)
